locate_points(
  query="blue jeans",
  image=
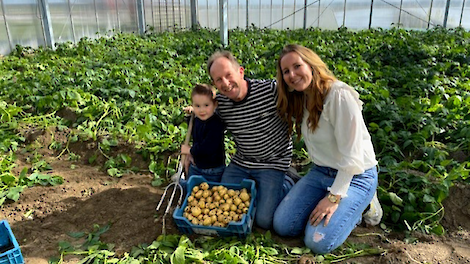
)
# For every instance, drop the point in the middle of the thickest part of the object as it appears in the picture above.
(269, 185)
(292, 215)
(211, 174)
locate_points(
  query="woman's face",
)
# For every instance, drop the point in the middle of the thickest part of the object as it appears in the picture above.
(296, 72)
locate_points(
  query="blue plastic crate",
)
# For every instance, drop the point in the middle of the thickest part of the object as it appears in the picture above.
(241, 228)
(10, 252)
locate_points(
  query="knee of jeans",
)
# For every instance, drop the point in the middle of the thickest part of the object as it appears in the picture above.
(280, 227)
(264, 222)
(317, 243)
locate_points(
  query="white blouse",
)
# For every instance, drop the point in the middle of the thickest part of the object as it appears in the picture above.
(341, 140)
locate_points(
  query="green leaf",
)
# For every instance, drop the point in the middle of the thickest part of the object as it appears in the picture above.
(76, 234)
(114, 172)
(428, 199)
(14, 193)
(178, 256)
(438, 229)
(64, 246)
(270, 251)
(297, 251)
(395, 199)
(8, 179)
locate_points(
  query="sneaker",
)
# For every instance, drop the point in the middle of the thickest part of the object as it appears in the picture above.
(373, 215)
(292, 173)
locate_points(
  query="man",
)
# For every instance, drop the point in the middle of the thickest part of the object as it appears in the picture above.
(264, 148)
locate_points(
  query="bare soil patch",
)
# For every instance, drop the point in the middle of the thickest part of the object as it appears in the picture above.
(45, 215)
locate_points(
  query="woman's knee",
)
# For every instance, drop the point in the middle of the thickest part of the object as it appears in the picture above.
(318, 244)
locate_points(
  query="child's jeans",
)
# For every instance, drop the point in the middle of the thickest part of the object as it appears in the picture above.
(211, 175)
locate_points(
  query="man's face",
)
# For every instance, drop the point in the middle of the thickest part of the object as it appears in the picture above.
(227, 79)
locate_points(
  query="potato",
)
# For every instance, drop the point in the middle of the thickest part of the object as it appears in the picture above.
(225, 207)
(244, 196)
(206, 193)
(214, 218)
(204, 186)
(206, 211)
(207, 221)
(231, 192)
(190, 198)
(199, 194)
(201, 205)
(233, 207)
(195, 211)
(237, 201)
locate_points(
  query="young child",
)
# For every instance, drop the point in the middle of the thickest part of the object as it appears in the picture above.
(206, 157)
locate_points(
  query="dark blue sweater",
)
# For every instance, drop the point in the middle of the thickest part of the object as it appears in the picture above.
(208, 142)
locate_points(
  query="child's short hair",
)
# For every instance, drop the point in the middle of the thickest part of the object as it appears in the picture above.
(204, 89)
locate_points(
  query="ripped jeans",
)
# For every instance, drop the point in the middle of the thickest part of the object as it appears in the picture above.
(292, 215)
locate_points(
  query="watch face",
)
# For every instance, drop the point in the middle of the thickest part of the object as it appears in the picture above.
(332, 198)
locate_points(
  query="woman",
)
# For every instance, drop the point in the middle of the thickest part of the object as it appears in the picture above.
(329, 201)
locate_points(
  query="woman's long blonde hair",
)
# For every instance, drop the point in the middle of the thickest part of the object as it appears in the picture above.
(291, 103)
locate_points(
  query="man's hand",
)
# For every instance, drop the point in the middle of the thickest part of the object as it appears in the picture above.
(188, 109)
(324, 209)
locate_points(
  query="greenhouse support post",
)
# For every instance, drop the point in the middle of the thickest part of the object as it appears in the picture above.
(461, 13)
(7, 28)
(446, 14)
(193, 14)
(430, 12)
(223, 4)
(247, 20)
(141, 16)
(72, 27)
(46, 23)
(305, 14)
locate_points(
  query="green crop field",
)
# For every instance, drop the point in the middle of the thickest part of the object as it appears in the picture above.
(415, 86)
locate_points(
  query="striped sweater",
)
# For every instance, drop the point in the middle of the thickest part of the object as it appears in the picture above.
(260, 135)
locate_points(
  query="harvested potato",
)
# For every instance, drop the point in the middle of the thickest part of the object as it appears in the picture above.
(216, 205)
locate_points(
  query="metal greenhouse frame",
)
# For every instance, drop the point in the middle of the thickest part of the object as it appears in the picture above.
(45, 22)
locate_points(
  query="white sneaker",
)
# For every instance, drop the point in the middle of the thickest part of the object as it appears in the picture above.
(375, 212)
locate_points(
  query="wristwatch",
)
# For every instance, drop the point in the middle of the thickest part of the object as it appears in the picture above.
(333, 198)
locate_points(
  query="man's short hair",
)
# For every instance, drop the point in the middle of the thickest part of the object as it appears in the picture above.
(222, 54)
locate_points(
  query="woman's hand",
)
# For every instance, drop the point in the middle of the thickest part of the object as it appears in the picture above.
(324, 209)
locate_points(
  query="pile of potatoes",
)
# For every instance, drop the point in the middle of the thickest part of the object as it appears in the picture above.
(216, 206)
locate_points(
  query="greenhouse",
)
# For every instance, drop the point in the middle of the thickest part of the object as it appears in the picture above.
(45, 22)
(234, 131)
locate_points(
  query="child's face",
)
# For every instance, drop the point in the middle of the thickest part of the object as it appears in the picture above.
(203, 106)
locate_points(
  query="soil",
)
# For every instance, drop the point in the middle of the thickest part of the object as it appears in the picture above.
(45, 215)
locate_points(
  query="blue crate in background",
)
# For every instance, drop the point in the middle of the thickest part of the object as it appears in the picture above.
(10, 252)
(241, 228)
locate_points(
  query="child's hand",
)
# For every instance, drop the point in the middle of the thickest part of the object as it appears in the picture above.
(189, 159)
(188, 109)
(185, 149)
